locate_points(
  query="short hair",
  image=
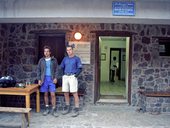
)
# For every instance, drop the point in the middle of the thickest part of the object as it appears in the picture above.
(69, 46)
(47, 47)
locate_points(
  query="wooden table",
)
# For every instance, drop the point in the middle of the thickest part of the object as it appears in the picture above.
(24, 92)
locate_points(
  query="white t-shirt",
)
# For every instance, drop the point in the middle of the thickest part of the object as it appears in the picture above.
(114, 65)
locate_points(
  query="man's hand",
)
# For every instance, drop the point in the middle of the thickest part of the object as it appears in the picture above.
(76, 75)
(39, 82)
(55, 81)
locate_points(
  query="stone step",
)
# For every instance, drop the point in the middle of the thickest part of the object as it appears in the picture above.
(10, 125)
(112, 101)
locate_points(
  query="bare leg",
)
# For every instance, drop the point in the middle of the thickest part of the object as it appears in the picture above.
(53, 99)
(76, 109)
(76, 99)
(67, 98)
(46, 104)
(53, 102)
(46, 98)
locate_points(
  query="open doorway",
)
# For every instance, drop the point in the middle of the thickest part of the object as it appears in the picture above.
(113, 53)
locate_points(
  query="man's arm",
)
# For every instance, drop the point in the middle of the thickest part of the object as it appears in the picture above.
(39, 70)
(62, 66)
(56, 68)
(55, 71)
(79, 66)
(79, 70)
(62, 71)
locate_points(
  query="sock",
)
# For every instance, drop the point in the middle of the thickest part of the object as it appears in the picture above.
(47, 105)
(76, 106)
(67, 104)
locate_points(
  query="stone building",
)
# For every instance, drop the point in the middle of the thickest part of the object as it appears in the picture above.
(19, 44)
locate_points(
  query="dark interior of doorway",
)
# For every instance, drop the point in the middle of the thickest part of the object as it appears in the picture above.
(56, 43)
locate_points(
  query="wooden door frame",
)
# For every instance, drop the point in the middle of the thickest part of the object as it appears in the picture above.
(97, 63)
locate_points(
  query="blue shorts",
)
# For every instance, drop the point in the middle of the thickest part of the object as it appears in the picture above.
(48, 85)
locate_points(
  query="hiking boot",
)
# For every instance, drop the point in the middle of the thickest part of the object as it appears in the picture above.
(54, 112)
(66, 110)
(75, 112)
(46, 112)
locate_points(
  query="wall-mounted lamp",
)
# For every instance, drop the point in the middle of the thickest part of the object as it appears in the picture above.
(77, 35)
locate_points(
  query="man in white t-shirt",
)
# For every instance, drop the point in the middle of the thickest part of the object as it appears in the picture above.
(113, 67)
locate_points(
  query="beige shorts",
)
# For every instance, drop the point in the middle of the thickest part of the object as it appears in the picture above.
(69, 84)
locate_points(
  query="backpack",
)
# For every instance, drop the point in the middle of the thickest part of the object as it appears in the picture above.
(7, 81)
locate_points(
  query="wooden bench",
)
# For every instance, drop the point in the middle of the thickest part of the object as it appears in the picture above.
(60, 93)
(152, 94)
(25, 115)
(156, 94)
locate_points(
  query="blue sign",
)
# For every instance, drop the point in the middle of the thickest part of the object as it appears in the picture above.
(123, 8)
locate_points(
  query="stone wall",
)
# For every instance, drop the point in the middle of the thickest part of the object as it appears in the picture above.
(22, 53)
(149, 70)
(3, 47)
(158, 104)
